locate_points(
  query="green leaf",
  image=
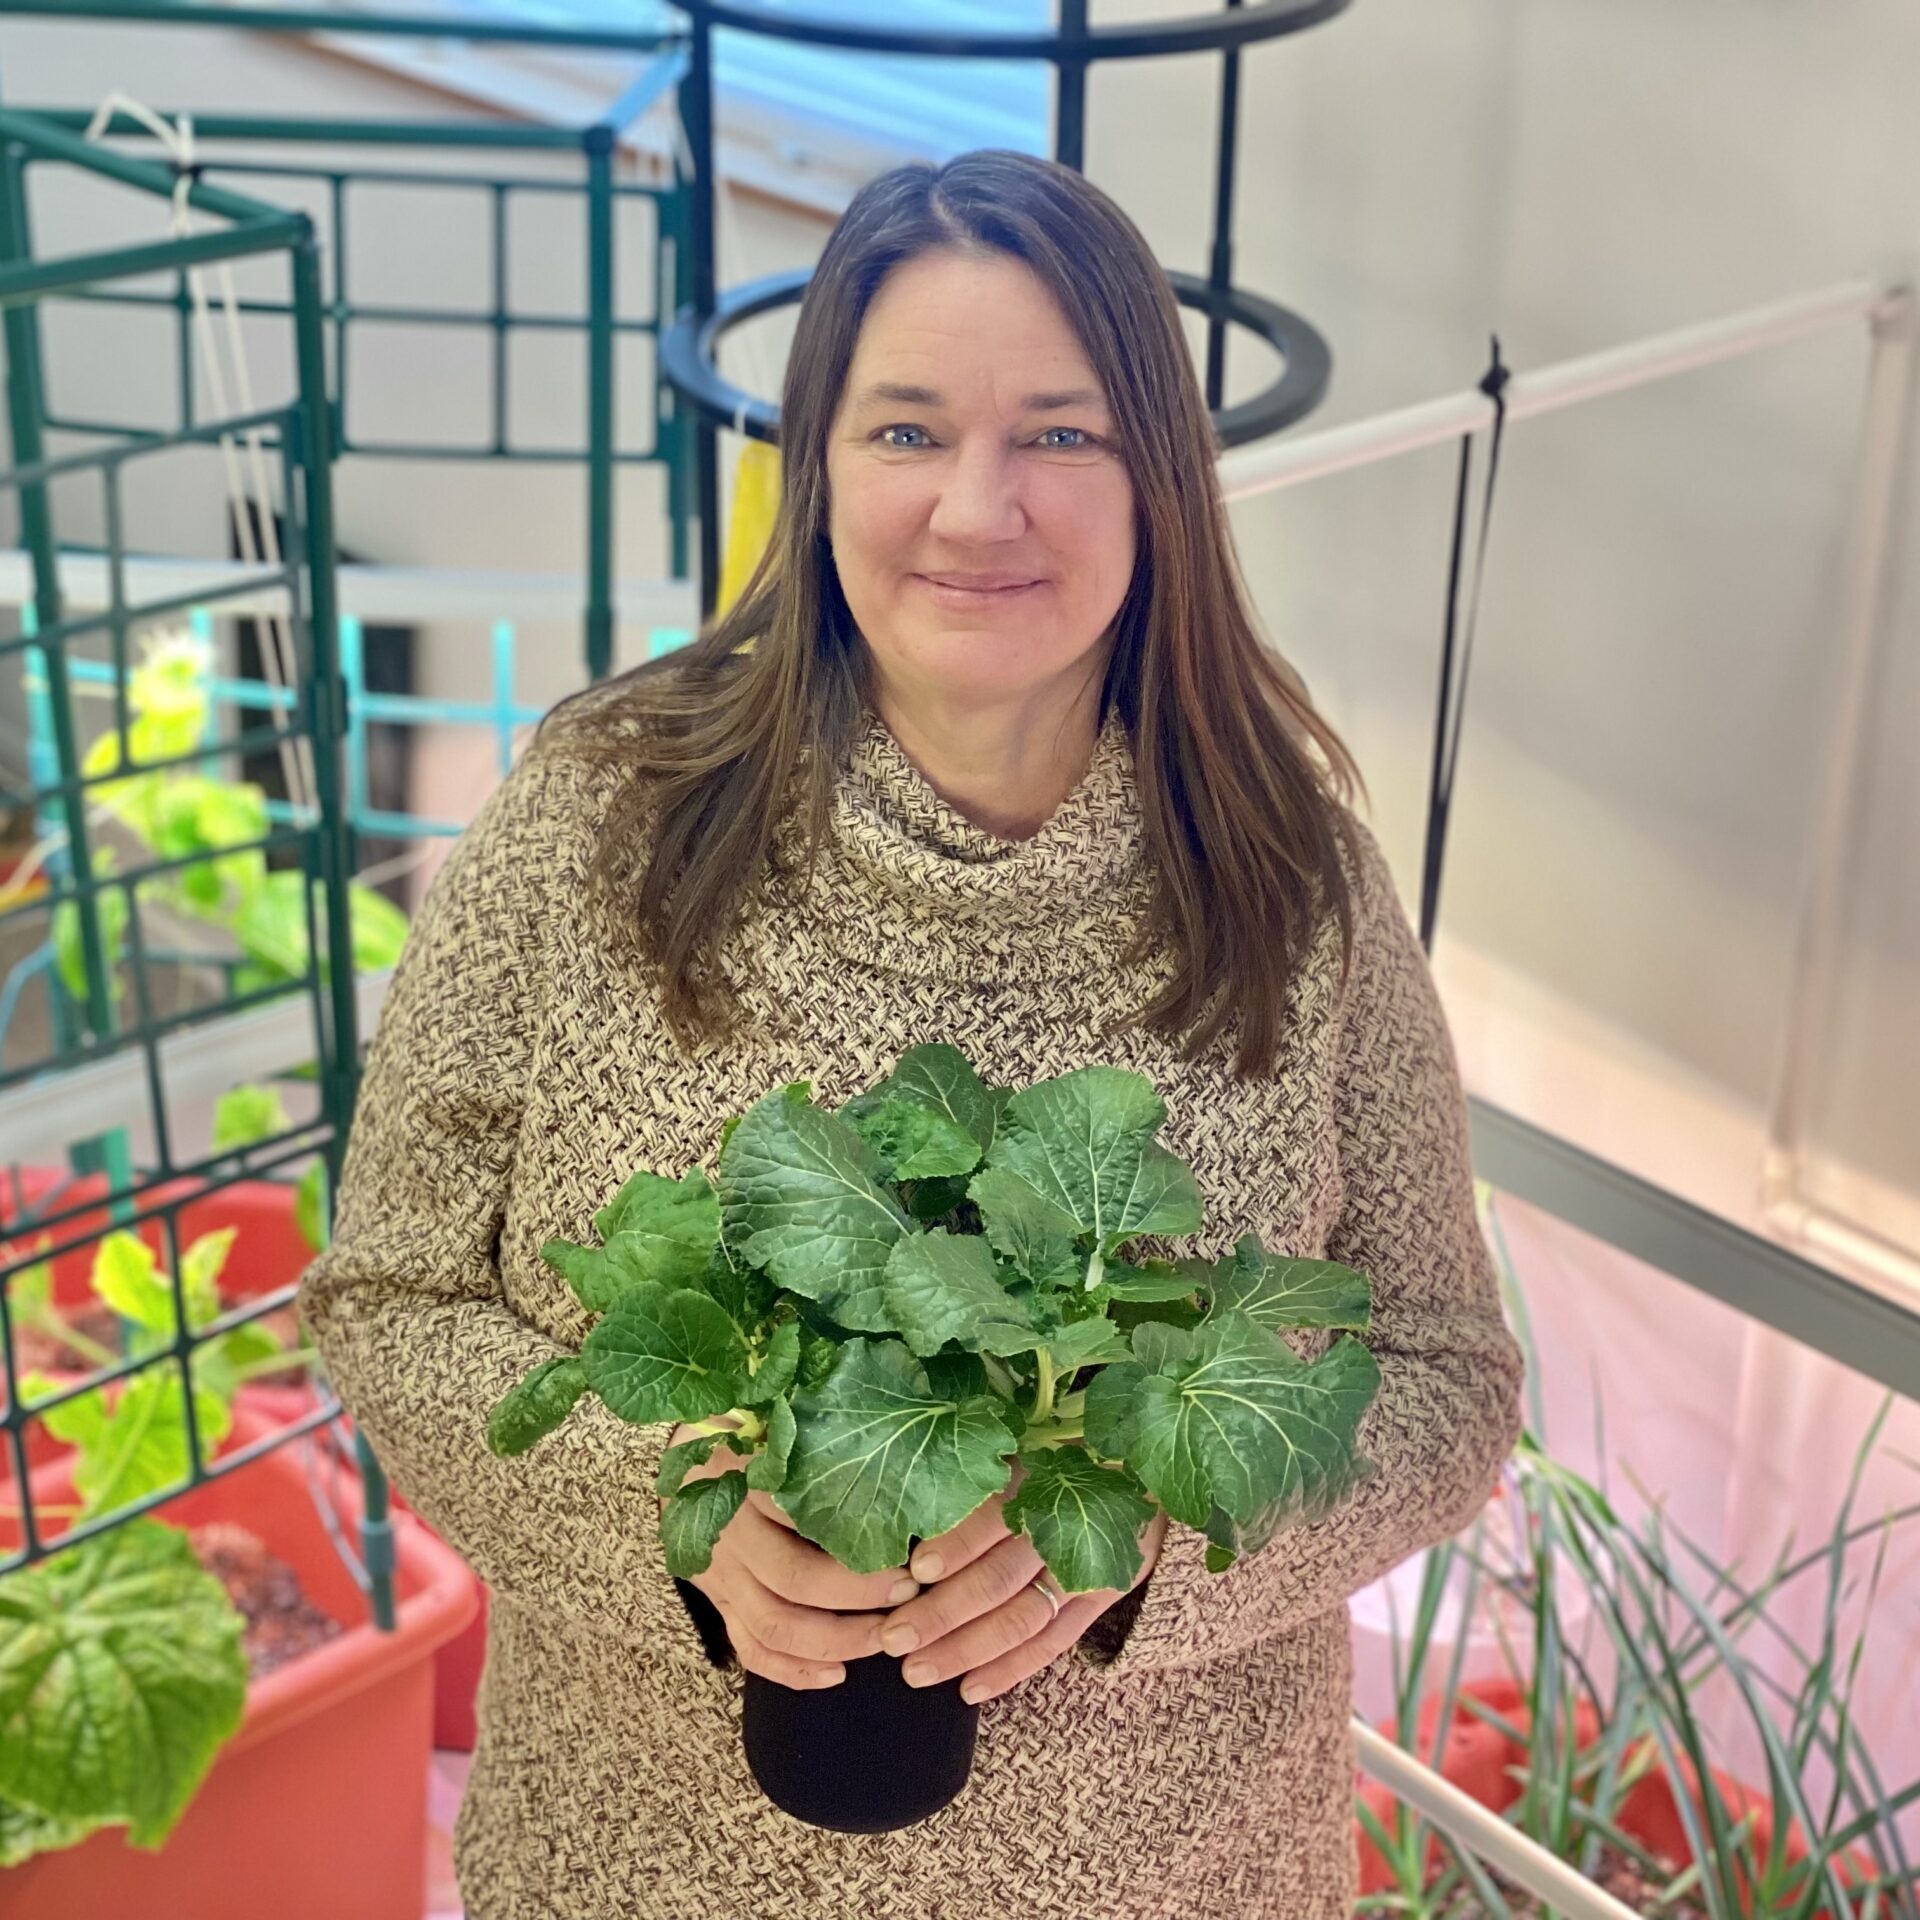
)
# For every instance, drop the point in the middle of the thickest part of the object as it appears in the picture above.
(141, 1447)
(931, 1118)
(1243, 1422)
(121, 1675)
(818, 1357)
(942, 1286)
(695, 1518)
(531, 1411)
(745, 1293)
(243, 1115)
(1084, 1519)
(801, 1195)
(767, 1470)
(376, 927)
(1128, 1315)
(879, 1459)
(676, 1462)
(30, 1291)
(310, 1206)
(958, 1376)
(127, 1277)
(1281, 1292)
(1086, 1343)
(69, 946)
(777, 1368)
(665, 1229)
(1030, 1232)
(1162, 1348)
(25, 1831)
(1084, 1142)
(78, 1422)
(666, 1356)
(1111, 1421)
(200, 1269)
(1150, 1280)
(935, 1199)
(218, 1366)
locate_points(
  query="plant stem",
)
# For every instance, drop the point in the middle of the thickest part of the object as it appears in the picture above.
(1043, 1392)
(748, 1424)
(91, 1350)
(1070, 1406)
(274, 1362)
(1054, 1434)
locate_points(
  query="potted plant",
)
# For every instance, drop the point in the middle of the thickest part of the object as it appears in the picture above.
(132, 1291)
(936, 1277)
(1616, 1780)
(179, 1782)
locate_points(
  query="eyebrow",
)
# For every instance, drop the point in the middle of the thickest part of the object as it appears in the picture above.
(911, 396)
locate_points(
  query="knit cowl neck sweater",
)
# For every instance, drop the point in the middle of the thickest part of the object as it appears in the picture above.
(1190, 1753)
(909, 885)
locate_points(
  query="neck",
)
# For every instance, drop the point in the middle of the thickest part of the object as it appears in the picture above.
(1006, 768)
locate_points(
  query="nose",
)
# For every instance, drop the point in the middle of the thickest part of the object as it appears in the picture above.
(979, 500)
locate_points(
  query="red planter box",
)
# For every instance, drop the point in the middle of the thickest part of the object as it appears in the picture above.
(268, 1253)
(1475, 1757)
(316, 1808)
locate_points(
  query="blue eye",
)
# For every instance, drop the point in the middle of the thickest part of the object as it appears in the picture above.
(1066, 446)
(885, 431)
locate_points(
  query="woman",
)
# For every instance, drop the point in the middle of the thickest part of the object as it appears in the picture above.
(989, 752)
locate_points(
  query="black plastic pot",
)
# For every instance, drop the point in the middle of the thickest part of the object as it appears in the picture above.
(866, 1756)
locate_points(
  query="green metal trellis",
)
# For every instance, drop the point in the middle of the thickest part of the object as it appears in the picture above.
(52, 652)
(53, 643)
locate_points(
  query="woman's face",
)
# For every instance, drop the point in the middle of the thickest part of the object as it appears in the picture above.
(981, 518)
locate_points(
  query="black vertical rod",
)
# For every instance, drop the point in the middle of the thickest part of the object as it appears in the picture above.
(1070, 113)
(696, 115)
(1220, 269)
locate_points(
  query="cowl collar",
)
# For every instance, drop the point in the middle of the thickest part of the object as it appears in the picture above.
(907, 883)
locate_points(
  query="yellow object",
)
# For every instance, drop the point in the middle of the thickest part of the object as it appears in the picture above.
(756, 506)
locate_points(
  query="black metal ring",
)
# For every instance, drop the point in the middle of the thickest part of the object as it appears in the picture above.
(687, 356)
(1263, 20)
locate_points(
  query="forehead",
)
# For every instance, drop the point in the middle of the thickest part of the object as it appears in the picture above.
(948, 319)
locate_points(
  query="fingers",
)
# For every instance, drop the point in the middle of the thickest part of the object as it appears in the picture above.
(1042, 1649)
(943, 1556)
(809, 1634)
(979, 1590)
(781, 1667)
(798, 1570)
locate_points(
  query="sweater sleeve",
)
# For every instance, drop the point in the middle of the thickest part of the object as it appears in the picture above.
(406, 1305)
(1449, 1406)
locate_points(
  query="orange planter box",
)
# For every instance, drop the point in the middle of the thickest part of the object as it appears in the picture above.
(268, 1253)
(1476, 1756)
(316, 1808)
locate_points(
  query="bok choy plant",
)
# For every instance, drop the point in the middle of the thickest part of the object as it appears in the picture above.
(894, 1301)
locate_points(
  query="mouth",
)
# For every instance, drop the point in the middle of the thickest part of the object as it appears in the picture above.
(983, 589)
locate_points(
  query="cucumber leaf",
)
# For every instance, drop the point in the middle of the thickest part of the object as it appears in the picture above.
(121, 1674)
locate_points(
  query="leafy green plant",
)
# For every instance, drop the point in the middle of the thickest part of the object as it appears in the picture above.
(122, 1669)
(1674, 1623)
(132, 1434)
(122, 1673)
(887, 1304)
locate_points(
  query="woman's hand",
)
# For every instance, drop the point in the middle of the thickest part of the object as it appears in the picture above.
(980, 1615)
(778, 1593)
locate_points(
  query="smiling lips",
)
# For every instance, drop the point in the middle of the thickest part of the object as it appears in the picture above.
(977, 589)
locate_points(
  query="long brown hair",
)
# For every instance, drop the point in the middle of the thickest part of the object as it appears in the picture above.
(1241, 823)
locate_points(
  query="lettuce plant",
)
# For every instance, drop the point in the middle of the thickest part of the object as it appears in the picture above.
(893, 1302)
